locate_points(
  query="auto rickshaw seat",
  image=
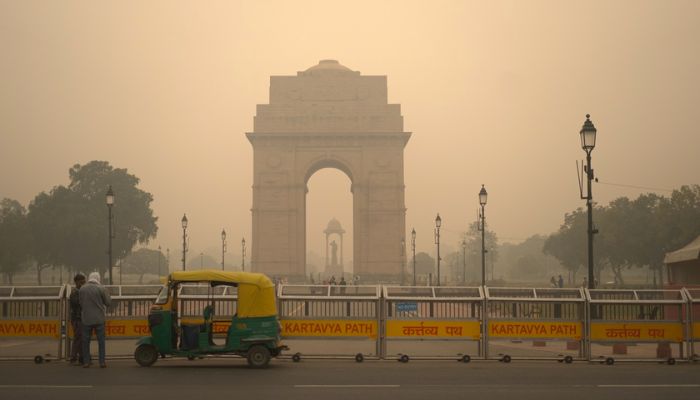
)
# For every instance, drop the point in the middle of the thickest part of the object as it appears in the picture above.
(207, 326)
(208, 315)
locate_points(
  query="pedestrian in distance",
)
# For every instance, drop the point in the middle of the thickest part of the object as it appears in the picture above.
(94, 301)
(553, 282)
(561, 281)
(342, 284)
(76, 349)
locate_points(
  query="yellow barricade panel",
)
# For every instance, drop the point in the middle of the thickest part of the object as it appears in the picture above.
(34, 328)
(696, 330)
(433, 329)
(630, 332)
(329, 328)
(535, 330)
(126, 327)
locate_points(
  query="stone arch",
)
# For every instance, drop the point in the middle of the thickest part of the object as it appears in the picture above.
(325, 161)
(328, 117)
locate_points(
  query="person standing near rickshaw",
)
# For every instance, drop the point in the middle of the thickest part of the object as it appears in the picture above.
(76, 350)
(94, 301)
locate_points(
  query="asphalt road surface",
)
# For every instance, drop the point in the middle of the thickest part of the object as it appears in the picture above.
(230, 378)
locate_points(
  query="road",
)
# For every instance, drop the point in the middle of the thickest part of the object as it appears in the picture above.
(343, 379)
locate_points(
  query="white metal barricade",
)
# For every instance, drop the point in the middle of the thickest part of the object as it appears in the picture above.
(534, 323)
(127, 317)
(636, 325)
(427, 322)
(330, 321)
(32, 322)
(693, 322)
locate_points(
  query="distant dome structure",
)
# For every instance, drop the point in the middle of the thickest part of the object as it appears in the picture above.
(334, 227)
(328, 67)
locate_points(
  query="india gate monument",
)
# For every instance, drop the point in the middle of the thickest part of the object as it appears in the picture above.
(328, 116)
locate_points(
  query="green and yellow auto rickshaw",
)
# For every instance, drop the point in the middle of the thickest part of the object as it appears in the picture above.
(253, 332)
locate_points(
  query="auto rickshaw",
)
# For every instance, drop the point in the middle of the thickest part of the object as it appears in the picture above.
(254, 331)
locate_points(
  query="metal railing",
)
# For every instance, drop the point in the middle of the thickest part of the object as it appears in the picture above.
(389, 321)
(432, 322)
(542, 316)
(643, 318)
(693, 321)
(32, 321)
(342, 320)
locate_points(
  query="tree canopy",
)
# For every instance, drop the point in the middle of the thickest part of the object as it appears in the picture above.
(632, 233)
(15, 237)
(69, 224)
(145, 261)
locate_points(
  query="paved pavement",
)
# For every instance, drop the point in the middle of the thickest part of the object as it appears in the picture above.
(343, 379)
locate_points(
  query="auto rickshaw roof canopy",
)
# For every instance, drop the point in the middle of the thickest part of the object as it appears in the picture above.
(256, 292)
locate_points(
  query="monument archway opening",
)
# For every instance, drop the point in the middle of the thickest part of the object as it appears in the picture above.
(329, 228)
(328, 116)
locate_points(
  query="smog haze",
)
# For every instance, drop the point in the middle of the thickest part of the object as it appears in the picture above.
(494, 93)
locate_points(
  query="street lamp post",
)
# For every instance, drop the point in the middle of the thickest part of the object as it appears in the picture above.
(159, 255)
(438, 223)
(482, 201)
(403, 260)
(413, 248)
(464, 262)
(167, 260)
(184, 242)
(243, 254)
(223, 247)
(588, 136)
(110, 234)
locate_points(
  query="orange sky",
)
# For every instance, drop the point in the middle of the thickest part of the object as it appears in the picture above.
(494, 93)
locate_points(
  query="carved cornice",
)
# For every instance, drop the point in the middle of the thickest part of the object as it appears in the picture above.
(333, 139)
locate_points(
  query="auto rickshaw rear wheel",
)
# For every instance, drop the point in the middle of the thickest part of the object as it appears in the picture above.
(258, 356)
(146, 355)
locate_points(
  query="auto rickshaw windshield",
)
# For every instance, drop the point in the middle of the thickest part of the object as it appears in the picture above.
(162, 295)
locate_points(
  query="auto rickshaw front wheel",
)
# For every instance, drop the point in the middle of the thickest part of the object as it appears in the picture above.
(258, 356)
(146, 355)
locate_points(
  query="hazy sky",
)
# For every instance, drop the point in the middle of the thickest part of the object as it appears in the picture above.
(494, 93)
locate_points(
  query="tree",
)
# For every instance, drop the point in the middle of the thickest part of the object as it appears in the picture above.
(633, 233)
(527, 261)
(205, 261)
(69, 224)
(454, 261)
(15, 238)
(568, 245)
(472, 237)
(424, 264)
(145, 261)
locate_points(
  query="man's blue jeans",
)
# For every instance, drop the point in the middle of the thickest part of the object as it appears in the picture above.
(87, 335)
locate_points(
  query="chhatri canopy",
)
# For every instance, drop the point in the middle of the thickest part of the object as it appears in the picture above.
(256, 293)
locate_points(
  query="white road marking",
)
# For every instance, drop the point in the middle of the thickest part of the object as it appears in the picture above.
(347, 386)
(17, 343)
(649, 386)
(45, 386)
